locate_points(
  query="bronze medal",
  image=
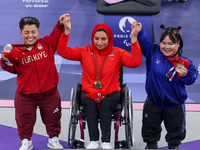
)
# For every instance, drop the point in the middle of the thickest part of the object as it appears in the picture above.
(98, 84)
(178, 67)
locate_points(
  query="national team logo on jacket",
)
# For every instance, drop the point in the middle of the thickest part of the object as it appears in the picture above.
(111, 56)
(39, 45)
(158, 61)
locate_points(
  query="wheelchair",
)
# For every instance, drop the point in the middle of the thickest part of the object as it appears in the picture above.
(122, 115)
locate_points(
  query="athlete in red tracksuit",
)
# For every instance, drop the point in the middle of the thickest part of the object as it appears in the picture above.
(37, 80)
(101, 50)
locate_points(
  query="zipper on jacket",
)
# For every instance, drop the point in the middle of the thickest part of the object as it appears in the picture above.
(37, 76)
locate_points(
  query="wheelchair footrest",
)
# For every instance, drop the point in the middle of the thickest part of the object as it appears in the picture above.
(78, 144)
(121, 145)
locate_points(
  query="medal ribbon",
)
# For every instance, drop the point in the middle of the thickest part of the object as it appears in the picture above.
(19, 45)
(175, 61)
(99, 73)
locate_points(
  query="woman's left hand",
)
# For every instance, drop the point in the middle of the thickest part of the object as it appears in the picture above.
(136, 28)
(183, 71)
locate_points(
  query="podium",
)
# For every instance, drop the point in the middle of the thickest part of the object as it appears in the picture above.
(119, 17)
(129, 7)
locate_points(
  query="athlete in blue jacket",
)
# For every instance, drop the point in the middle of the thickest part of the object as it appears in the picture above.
(167, 74)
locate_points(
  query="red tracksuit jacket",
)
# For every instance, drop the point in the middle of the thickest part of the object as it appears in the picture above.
(36, 72)
(110, 73)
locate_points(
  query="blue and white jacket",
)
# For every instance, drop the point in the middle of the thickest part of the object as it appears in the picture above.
(161, 92)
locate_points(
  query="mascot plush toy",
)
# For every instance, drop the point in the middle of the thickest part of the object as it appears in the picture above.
(97, 96)
(15, 54)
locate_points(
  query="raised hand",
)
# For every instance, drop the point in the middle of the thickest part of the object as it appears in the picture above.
(61, 18)
(67, 24)
(136, 28)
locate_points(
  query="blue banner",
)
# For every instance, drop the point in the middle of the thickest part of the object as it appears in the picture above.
(83, 18)
(121, 28)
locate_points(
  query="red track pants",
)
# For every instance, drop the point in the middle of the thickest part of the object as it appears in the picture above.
(49, 104)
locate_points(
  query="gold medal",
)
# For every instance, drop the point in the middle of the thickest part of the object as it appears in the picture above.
(98, 84)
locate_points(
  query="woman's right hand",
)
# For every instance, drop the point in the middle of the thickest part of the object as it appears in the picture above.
(3, 57)
(136, 28)
(67, 24)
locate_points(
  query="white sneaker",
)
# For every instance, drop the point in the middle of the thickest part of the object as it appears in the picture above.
(93, 145)
(54, 143)
(106, 145)
(26, 145)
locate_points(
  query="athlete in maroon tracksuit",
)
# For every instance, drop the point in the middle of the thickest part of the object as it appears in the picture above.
(37, 79)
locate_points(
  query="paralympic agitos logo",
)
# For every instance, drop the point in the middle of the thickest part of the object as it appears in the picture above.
(125, 28)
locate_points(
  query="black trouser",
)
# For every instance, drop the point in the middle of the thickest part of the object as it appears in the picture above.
(105, 112)
(174, 121)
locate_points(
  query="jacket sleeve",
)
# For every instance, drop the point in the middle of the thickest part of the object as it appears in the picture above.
(133, 60)
(146, 45)
(5, 67)
(71, 53)
(54, 36)
(191, 76)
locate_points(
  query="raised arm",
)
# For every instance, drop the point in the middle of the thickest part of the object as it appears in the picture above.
(135, 59)
(146, 44)
(67, 25)
(136, 28)
(62, 49)
(54, 37)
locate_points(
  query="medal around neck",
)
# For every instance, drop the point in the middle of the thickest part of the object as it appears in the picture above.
(98, 84)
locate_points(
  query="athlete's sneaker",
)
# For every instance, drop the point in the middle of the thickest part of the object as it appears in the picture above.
(54, 143)
(26, 145)
(93, 145)
(106, 145)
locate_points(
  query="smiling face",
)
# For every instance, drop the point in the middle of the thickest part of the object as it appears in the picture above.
(100, 40)
(30, 34)
(168, 48)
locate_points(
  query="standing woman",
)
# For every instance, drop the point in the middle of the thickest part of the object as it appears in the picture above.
(101, 63)
(167, 74)
(37, 80)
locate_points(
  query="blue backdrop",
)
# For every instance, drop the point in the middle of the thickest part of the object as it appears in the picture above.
(84, 18)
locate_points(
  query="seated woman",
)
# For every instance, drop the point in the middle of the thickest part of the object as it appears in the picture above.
(101, 63)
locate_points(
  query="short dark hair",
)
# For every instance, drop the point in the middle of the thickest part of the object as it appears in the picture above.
(174, 35)
(28, 21)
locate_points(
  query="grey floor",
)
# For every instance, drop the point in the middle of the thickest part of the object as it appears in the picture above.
(192, 122)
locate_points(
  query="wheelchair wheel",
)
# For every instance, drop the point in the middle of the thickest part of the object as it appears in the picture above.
(74, 114)
(70, 115)
(131, 117)
(128, 116)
